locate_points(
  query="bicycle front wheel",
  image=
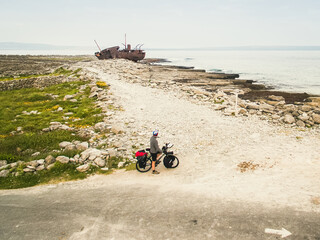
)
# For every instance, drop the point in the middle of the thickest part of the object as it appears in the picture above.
(144, 167)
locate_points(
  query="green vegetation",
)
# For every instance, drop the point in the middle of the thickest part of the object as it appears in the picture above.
(130, 167)
(57, 72)
(19, 145)
(59, 172)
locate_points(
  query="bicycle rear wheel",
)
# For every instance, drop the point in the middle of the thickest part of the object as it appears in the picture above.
(144, 168)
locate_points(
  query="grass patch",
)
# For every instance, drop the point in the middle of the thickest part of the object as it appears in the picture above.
(130, 167)
(21, 147)
(59, 173)
(57, 72)
(15, 104)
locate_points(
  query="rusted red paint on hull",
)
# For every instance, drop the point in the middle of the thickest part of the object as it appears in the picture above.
(127, 53)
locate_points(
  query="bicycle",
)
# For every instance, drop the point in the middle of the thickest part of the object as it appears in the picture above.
(144, 161)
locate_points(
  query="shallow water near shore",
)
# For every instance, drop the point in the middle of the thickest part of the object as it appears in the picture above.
(292, 71)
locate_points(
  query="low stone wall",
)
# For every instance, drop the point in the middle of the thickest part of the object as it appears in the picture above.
(33, 82)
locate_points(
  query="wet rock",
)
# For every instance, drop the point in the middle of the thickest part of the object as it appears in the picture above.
(62, 159)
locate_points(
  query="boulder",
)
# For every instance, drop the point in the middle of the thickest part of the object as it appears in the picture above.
(266, 108)
(49, 160)
(4, 173)
(83, 168)
(3, 163)
(300, 123)
(112, 152)
(50, 166)
(35, 154)
(71, 147)
(304, 117)
(91, 154)
(243, 111)
(64, 144)
(253, 106)
(316, 118)
(63, 159)
(68, 97)
(288, 118)
(33, 164)
(29, 170)
(82, 146)
(306, 108)
(100, 162)
(121, 164)
(41, 161)
(40, 168)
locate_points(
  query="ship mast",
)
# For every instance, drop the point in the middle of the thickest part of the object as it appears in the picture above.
(97, 45)
(125, 40)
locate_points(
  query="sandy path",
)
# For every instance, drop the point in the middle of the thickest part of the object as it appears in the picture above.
(210, 146)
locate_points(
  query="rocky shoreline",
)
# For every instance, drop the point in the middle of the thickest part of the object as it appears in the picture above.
(225, 92)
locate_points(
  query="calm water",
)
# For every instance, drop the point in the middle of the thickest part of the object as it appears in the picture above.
(294, 71)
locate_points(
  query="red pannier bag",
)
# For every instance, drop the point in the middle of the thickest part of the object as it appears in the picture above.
(141, 153)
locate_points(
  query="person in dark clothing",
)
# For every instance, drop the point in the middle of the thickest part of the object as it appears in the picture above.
(154, 150)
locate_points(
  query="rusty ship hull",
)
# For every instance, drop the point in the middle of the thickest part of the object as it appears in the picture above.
(127, 53)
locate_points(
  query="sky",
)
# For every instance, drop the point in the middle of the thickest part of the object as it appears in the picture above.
(162, 23)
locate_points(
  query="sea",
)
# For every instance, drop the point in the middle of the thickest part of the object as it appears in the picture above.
(282, 70)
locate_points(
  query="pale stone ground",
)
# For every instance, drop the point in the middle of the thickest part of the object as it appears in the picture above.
(210, 146)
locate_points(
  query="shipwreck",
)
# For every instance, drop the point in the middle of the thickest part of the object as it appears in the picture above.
(135, 54)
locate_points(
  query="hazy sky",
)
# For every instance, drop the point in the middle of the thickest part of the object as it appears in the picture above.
(161, 23)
